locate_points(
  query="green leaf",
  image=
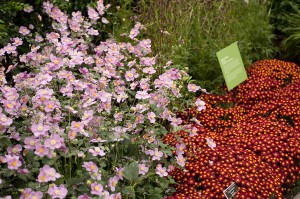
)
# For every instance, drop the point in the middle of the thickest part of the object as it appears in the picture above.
(131, 171)
(155, 196)
(82, 188)
(129, 191)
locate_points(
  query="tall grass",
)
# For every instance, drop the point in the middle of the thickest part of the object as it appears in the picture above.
(191, 32)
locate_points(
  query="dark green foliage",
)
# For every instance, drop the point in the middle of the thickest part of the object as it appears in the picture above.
(286, 20)
(198, 29)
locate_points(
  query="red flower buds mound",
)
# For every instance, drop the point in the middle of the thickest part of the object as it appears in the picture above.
(256, 128)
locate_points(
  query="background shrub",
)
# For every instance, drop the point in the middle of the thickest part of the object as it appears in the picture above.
(191, 33)
(285, 17)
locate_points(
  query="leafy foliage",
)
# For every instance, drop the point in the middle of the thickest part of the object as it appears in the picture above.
(191, 34)
(286, 19)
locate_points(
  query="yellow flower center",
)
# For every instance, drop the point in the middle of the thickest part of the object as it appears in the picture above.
(97, 188)
(92, 167)
(3, 119)
(53, 142)
(40, 128)
(56, 61)
(14, 163)
(77, 125)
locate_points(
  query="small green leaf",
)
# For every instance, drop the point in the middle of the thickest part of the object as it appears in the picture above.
(155, 196)
(82, 188)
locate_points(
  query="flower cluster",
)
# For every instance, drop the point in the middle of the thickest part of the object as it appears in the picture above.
(249, 136)
(71, 119)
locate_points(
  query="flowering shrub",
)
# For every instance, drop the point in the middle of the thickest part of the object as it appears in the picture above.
(83, 120)
(249, 136)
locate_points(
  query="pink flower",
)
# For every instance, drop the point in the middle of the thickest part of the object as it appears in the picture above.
(72, 134)
(10, 49)
(96, 151)
(35, 195)
(50, 105)
(5, 121)
(40, 129)
(25, 194)
(143, 169)
(180, 160)
(158, 83)
(84, 196)
(54, 142)
(180, 148)
(43, 78)
(104, 20)
(91, 31)
(56, 62)
(93, 15)
(104, 96)
(200, 105)
(100, 7)
(45, 93)
(134, 32)
(57, 192)
(48, 174)
(77, 126)
(193, 132)
(115, 196)
(193, 87)
(118, 116)
(23, 30)
(176, 121)
(96, 189)
(151, 117)
(139, 119)
(28, 9)
(144, 85)
(156, 154)
(173, 73)
(41, 150)
(15, 150)
(13, 162)
(147, 61)
(142, 95)
(17, 41)
(211, 143)
(91, 167)
(131, 75)
(87, 116)
(112, 183)
(149, 70)
(119, 172)
(161, 171)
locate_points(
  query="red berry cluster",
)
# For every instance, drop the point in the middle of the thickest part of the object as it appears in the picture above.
(256, 128)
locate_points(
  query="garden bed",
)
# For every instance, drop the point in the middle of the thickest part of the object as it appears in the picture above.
(249, 136)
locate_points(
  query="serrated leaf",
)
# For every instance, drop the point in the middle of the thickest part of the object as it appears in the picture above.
(131, 172)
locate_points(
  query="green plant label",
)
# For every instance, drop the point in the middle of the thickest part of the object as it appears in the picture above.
(232, 65)
(231, 191)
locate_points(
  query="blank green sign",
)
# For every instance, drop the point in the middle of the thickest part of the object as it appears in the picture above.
(232, 65)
